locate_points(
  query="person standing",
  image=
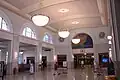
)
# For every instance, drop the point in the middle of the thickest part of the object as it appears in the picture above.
(82, 64)
(31, 68)
(55, 68)
(110, 68)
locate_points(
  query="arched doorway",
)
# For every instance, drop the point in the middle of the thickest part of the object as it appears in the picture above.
(82, 55)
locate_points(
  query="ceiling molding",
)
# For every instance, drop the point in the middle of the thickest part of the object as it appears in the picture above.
(53, 29)
(76, 17)
(87, 27)
(12, 8)
(3, 46)
(102, 10)
(42, 5)
(17, 11)
(31, 8)
(102, 15)
(83, 26)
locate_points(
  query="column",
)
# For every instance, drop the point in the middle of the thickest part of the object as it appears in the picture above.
(13, 50)
(70, 55)
(115, 20)
(38, 55)
(96, 56)
(54, 58)
(0, 55)
(9, 64)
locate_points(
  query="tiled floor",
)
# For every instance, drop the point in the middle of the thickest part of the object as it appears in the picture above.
(78, 74)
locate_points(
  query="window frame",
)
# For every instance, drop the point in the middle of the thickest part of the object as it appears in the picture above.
(49, 39)
(31, 33)
(1, 24)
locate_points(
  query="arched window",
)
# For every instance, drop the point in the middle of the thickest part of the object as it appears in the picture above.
(85, 41)
(28, 32)
(3, 24)
(48, 38)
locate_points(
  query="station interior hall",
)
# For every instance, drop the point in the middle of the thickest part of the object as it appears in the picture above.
(59, 39)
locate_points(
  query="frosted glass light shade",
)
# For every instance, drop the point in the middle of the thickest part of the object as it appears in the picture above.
(109, 37)
(110, 49)
(63, 34)
(109, 42)
(75, 41)
(40, 20)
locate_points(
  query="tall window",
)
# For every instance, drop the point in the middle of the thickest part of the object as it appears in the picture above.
(20, 58)
(29, 33)
(6, 58)
(48, 38)
(3, 24)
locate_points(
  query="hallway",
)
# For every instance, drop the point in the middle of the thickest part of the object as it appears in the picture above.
(37, 35)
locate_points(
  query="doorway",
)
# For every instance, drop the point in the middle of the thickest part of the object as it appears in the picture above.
(27, 54)
(5, 54)
(103, 59)
(83, 59)
(47, 57)
(61, 59)
(44, 61)
(31, 59)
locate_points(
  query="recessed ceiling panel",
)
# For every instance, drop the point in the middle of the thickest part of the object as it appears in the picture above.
(83, 22)
(81, 7)
(22, 3)
(74, 13)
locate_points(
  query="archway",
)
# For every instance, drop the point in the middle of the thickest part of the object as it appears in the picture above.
(82, 56)
(85, 41)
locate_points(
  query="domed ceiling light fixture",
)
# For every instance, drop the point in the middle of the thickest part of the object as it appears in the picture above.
(75, 41)
(64, 33)
(40, 20)
(110, 49)
(109, 37)
(109, 42)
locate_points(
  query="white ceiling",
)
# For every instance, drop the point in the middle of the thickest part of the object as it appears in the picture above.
(89, 13)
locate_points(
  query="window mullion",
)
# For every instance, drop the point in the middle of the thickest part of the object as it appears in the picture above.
(1, 23)
(31, 33)
(25, 31)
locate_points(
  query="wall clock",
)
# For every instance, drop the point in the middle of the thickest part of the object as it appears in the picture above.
(102, 35)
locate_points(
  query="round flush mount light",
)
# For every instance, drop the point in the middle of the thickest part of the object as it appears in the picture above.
(40, 20)
(63, 10)
(75, 22)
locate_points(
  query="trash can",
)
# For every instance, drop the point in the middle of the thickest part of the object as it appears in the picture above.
(14, 71)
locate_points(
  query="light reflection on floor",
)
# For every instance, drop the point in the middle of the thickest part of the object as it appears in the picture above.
(77, 74)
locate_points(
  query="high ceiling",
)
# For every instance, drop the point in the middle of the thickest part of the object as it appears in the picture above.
(63, 13)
